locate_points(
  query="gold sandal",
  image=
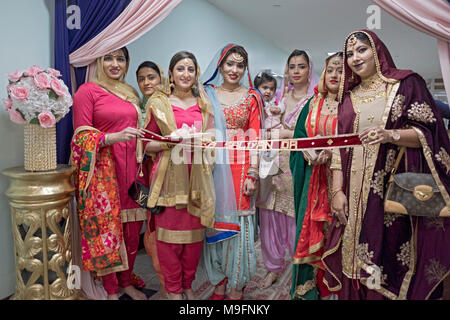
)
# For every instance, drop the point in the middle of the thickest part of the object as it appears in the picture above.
(274, 279)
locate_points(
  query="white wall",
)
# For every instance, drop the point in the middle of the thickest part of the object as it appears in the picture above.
(25, 30)
(199, 27)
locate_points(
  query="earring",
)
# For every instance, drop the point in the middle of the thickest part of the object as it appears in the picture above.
(352, 78)
(172, 85)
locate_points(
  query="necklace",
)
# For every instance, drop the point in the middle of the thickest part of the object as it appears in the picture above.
(182, 94)
(331, 105)
(369, 90)
(373, 83)
(230, 90)
(297, 98)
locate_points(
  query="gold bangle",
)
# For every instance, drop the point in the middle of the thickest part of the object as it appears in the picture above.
(336, 190)
(334, 193)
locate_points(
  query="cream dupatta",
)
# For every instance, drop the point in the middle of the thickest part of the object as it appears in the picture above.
(169, 182)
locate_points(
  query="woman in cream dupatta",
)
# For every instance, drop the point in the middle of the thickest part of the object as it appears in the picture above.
(180, 180)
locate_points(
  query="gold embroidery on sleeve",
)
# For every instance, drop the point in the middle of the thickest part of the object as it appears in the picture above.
(421, 112)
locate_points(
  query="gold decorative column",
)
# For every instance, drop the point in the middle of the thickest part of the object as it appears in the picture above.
(40, 226)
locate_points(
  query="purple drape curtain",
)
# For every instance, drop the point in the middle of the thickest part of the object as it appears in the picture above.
(95, 16)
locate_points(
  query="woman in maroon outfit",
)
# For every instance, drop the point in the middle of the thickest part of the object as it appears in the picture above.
(389, 108)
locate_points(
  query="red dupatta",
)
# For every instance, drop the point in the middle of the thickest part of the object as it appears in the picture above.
(318, 213)
(98, 204)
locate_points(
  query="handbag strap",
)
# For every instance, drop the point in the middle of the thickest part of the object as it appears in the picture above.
(397, 161)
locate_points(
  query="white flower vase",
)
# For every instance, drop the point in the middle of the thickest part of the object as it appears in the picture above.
(39, 148)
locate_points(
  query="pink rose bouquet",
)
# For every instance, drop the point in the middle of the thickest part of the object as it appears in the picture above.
(37, 95)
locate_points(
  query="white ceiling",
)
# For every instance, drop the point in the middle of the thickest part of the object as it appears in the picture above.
(321, 26)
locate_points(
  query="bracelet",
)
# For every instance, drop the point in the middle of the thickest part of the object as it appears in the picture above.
(105, 140)
(102, 141)
(335, 192)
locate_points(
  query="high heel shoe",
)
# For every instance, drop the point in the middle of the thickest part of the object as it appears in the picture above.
(216, 296)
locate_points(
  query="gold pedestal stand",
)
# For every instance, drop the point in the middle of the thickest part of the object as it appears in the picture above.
(40, 225)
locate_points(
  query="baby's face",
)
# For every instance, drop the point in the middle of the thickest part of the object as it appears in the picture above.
(268, 90)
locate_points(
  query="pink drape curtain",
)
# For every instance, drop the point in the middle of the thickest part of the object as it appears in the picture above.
(138, 17)
(431, 17)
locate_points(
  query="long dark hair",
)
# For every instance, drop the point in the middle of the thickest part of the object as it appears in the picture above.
(186, 55)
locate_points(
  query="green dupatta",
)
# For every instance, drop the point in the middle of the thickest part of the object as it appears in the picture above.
(303, 285)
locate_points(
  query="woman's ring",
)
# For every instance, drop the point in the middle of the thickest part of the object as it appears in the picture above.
(373, 135)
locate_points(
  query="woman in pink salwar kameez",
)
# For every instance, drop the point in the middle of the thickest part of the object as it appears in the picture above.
(111, 106)
(178, 182)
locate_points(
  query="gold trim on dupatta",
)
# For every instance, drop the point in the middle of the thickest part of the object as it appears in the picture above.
(171, 186)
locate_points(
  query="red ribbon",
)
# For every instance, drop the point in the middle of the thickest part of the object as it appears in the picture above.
(282, 144)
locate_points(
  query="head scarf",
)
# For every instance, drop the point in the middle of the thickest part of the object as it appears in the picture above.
(212, 75)
(226, 214)
(124, 91)
(117, 87)
(285, 88)
(321, 90)
(386, 68)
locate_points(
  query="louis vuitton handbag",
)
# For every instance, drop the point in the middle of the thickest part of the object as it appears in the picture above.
(140, 193)
(415, 194)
